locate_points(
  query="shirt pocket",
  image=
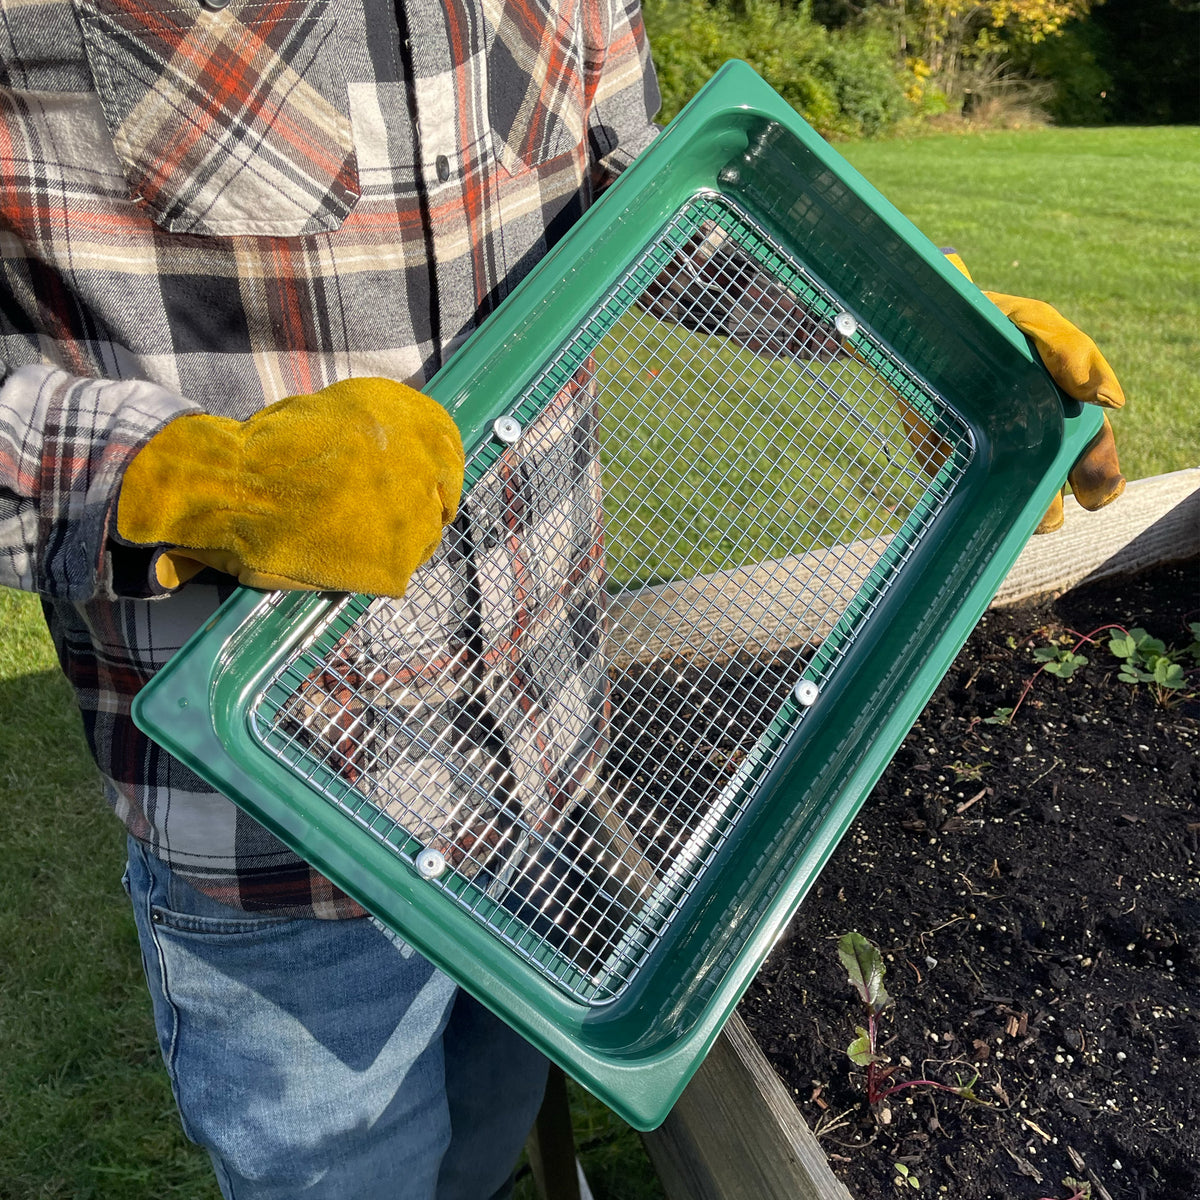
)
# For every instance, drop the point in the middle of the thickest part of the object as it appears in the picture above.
(230, 120)
(535, 69)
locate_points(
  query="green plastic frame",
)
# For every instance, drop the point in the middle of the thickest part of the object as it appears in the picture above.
(737, 137)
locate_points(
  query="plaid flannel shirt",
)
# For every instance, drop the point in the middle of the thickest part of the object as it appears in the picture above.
(208, 209)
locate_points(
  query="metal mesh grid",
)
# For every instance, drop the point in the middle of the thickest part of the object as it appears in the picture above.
(661, 559)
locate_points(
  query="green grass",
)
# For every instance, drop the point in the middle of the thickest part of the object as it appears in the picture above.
(1102, 223)
(85, 1106)
(689, 411)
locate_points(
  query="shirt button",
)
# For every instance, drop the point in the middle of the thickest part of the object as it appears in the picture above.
(214, 5)
(442, 163)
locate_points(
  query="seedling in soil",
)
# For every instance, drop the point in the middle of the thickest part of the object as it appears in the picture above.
(1055, 660)
(965, 772)
(904, 1175)
(864, 966)
(1148, 660)
(1080, 1189)
(1145, 660)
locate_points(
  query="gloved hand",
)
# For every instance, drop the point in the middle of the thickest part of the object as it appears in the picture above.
(346, 489)
(1077, 366)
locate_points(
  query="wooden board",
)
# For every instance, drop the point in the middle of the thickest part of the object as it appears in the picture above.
(1156, 520)
(736, 1134)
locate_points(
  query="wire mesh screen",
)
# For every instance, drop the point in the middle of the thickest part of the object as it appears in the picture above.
(661, 558)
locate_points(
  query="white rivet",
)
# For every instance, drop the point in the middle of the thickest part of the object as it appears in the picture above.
(806, 692)
(845, 325)
(430, 863)
(507, 430)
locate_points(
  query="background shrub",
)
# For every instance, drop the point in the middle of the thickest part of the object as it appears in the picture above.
(872, 94)
(845, 83)
(868, 68)
(1081, 85)
(1151, 48)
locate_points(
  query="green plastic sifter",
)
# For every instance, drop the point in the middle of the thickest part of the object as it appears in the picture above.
(746, 461)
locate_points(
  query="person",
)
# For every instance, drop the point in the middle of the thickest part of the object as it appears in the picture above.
(237, 239)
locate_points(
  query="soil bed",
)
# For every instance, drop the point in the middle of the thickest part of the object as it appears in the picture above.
(1034, 890)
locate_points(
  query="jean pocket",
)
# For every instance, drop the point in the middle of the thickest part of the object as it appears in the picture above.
(536, 61)
(243, 926)
(227, 121)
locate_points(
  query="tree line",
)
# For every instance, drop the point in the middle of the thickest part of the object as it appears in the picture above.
(864, 68)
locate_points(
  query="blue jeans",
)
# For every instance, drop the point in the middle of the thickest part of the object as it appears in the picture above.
(320, 1060)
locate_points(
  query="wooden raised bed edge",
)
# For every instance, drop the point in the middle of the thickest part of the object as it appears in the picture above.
(1156, 521)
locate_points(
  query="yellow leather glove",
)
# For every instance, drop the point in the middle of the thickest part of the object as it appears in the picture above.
(1077, 366)
(346, 489)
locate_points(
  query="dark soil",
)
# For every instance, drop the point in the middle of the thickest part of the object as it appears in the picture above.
(1035, 892)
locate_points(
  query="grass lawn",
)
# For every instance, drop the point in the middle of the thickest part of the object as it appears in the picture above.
(85, 1107)
(682, 431)
(1101, 223)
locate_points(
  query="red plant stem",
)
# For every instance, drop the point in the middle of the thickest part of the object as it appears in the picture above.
(872, 1089)
(933, 1083)
(1091, 637)
(875, 1094)
(1083, 637)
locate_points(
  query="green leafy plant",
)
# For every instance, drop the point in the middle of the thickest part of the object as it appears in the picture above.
(904, 1175)
(1057, 660)
(1148, 660)
(847, 83)
(865, 969)
(1145, 660)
